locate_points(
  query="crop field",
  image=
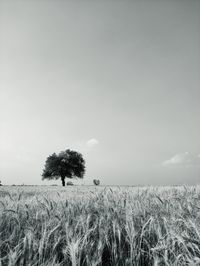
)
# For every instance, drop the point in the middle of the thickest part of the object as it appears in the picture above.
(86, 225)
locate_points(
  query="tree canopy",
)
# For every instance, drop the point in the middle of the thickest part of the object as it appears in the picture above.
(66, 164)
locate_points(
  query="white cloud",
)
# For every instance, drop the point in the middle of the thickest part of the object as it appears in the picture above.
(185, 159)
(92, 142)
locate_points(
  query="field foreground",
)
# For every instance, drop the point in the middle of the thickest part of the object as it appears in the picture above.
(99, 226)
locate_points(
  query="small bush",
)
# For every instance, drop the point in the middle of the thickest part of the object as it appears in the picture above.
(69, 183)
(96, 182)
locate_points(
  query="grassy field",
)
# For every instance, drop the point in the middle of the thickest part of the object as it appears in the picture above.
(99, 226)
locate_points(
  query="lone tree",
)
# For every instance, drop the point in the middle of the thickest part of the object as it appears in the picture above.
(67, 163)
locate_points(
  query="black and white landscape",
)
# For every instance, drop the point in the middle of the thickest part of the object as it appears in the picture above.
(99, 132)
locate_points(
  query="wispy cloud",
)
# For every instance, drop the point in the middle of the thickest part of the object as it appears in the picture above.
(92, 142)
(185, 159)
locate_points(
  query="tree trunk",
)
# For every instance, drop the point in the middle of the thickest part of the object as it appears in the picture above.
(63, 181)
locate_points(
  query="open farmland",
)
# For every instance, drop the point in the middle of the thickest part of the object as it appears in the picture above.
(99, 225)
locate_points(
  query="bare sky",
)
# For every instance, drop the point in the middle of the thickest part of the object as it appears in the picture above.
(118, 81)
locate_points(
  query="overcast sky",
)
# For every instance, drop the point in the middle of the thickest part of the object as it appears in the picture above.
(118, 81)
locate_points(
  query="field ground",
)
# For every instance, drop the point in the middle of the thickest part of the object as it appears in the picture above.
(85, 225)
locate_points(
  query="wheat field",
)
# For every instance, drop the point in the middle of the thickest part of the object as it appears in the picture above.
(86, 225)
